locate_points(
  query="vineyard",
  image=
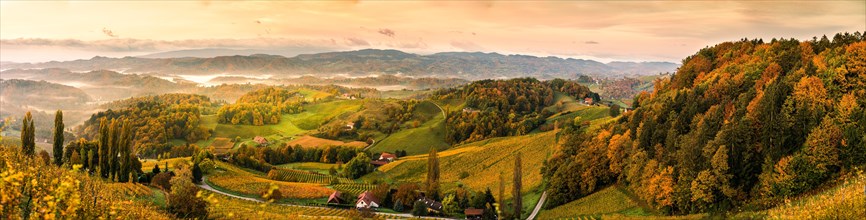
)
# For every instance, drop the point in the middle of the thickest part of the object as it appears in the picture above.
(607, 201)
(149, 163)
(290, 175)
(846, 201)
(482, 161)
(239, 181)
(224, 207)
(354, 188)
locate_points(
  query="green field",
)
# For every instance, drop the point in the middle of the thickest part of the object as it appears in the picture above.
(317, 114)
(417, 140)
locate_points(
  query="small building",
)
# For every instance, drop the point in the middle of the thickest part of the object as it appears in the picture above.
(387, 156)
(261, 141)
(379, 163)
(469, 110)
(473, 213)
(432, 205)
(350, 126)
(336, 198)
(587, 101)
(367, 201)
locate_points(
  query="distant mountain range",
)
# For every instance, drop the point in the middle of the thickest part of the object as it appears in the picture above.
(471, 66)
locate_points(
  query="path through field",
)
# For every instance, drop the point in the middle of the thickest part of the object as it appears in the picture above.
(538, 206)
(207, 187)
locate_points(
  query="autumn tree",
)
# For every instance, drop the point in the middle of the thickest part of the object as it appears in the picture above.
(183, 200)
(58, 138)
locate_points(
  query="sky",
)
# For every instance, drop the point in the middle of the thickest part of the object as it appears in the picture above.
(598, 30)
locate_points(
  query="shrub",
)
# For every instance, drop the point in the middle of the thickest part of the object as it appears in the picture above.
(162, 181)
(419, 209)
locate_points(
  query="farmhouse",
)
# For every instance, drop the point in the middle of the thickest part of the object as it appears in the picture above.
(336, 198)
(587, 101)
(261, 141)
(473, 213)
(432, 205)
(350, 126)
(367, 201)
(387, 156)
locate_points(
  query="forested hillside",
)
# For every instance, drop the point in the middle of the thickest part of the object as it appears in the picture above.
(261, 107)
(495, 108)
(155, 120)
(746, 123)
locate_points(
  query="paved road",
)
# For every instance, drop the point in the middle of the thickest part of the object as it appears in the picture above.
(538, 206)
(207, 187)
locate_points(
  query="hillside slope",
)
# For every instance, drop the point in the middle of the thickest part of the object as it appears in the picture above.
(741, 122)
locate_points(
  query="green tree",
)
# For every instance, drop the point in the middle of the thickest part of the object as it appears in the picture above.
(614, 110)
(197, 174)
(518, 184)
(58, 138)
(450, 205)
(433, 174)
(28, 135)
(102, 154)
(358, 166)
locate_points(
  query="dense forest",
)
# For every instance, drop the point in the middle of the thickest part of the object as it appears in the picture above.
(740, 124)
(155, 120)
(497, 108)
(261, 107)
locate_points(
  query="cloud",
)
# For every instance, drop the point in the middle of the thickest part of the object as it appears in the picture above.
(466, 46)
(387, 32)
(351, 41)
(108, 32)
(147, 45)
(591, 42)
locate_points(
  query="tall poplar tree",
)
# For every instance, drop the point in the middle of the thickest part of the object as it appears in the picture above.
(518, 184)
(102, 153)
(113, 131)
(28, 137)
(58, 138)
(433, 174)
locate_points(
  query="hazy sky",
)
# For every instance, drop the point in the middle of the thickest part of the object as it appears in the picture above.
(605, 31)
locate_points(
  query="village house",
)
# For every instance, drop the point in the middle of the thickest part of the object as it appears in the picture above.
(367, 201)
(473, 213)
(587, 101)
(336, 198)
(349, 126)
(387, 156)
(261, 141)
(432, 205)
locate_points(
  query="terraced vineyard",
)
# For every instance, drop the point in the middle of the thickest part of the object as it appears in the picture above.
(354, 188)
(239, 181)
(290, 175)
(224, 207)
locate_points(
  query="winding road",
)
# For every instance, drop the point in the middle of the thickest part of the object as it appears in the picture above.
(207, 187)
(538, 206)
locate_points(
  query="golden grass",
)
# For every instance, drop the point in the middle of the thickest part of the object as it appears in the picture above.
(606, 201)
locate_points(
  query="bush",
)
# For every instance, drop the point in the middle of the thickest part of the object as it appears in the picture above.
(183, 199)
(207, 166)
(463, 175)
(162, 181)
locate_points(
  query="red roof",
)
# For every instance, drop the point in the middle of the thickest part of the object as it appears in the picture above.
(379, 162)
(386, 155)
(471, 211)
(335, 197)
(367, 196)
